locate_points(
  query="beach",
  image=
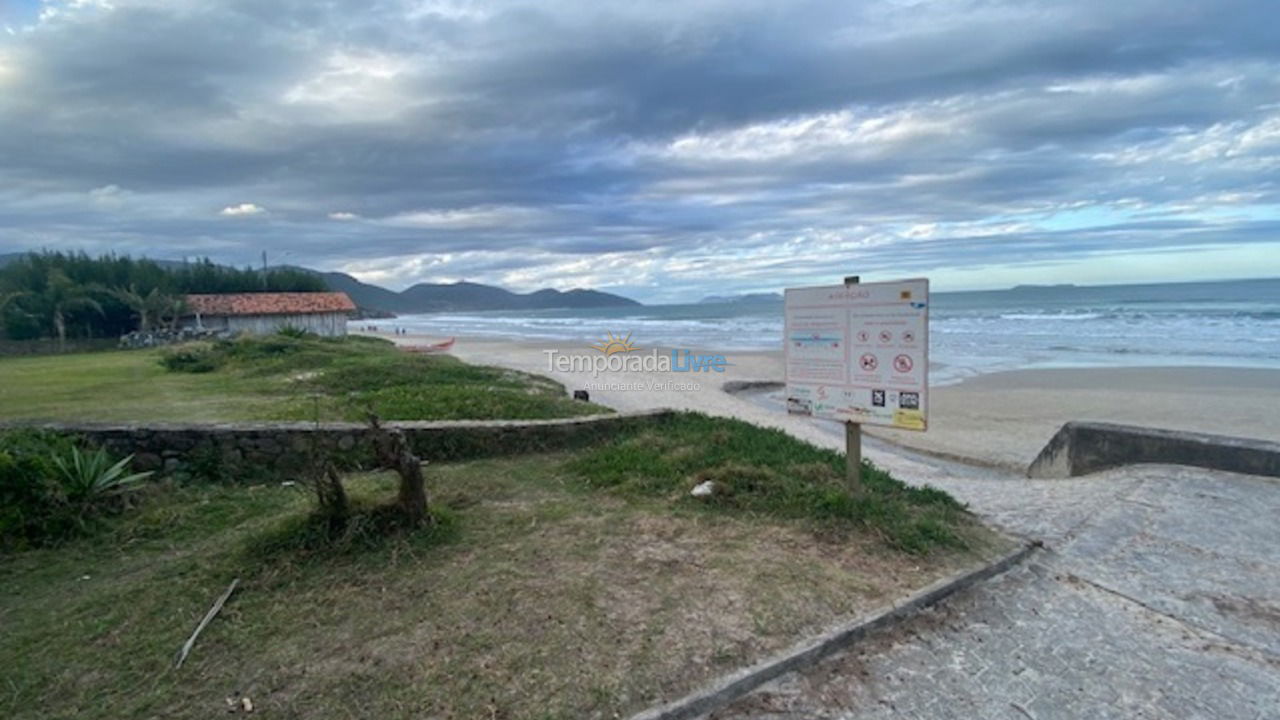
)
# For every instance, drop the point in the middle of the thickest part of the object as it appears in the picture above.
(1001, 418)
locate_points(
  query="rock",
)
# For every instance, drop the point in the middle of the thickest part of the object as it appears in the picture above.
(172, 464)
(346, 442)
(143, 462)
(706, 489)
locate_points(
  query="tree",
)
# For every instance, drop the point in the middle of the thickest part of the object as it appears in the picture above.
(62, 296)
(5, 299)
(171, 310)
(150, 307)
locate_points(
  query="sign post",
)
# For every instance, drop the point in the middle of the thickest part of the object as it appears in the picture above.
(858, 353)
(853, 437)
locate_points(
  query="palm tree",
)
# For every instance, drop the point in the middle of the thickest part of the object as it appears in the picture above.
(5, 299)
(149, 307)
(61, 296)
(171, 310)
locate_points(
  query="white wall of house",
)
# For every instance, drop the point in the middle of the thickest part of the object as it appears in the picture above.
(325, 324)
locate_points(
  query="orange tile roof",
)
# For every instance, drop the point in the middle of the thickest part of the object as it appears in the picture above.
(296, 303)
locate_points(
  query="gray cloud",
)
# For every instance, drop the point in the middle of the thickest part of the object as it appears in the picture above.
(652, 147)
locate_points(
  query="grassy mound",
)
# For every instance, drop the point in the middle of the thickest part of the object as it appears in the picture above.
(345, 378)
(765, 471)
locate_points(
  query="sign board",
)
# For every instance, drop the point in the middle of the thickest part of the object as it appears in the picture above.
(859, 353)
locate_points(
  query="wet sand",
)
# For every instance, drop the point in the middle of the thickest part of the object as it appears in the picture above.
(998, 419)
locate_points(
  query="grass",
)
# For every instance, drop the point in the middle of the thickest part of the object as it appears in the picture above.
(576, 585)
(275, 378)
(557, 586)
(764, 471)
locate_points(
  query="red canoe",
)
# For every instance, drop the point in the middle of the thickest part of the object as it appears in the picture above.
(432, 348)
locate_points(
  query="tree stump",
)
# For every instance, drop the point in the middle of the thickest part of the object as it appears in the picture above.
(391, 448)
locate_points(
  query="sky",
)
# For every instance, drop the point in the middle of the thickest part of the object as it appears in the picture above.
(662, 150)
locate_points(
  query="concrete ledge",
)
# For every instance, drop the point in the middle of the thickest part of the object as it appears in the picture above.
(731, 687)
(1079, 448)
(245, 450)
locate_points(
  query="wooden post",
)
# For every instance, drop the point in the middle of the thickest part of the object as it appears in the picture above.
(853, 455)
(853, 437)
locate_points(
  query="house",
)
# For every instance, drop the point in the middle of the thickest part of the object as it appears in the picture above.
(322, 313)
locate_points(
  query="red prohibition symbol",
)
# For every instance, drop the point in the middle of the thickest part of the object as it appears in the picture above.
(868, 362)
(903, 364)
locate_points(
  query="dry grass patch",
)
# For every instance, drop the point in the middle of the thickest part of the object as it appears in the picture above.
(537, 598)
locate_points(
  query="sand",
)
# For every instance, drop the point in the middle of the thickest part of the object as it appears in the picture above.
(1005, 418)
(1001, 419)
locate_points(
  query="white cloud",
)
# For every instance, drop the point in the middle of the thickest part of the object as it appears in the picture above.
(343, 216)
(490, 216)
(355, 86)
(108, 196)
(845, 130)
(242, 209)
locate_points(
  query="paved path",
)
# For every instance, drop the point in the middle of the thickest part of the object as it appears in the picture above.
(1158, 596)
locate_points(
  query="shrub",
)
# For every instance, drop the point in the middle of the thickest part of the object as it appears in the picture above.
(89, 478)
(192, 358)
(51, 490)
(296, 333)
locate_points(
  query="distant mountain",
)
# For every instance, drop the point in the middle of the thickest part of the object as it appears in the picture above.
(452, 297)
(747, 298)
(363, 294)
(465, 297)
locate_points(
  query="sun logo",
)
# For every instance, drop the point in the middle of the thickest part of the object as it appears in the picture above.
(613, 344)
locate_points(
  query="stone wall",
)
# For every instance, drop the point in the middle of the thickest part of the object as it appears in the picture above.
(157, 338)
(232, 451)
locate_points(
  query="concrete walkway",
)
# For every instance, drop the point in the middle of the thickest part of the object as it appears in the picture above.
(1158, 597)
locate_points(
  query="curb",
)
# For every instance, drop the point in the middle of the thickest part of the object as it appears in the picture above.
(731, 687)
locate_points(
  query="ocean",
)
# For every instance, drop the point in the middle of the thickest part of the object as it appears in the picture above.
(1230, 323)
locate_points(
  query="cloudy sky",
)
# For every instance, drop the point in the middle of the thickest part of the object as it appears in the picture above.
(660, 149)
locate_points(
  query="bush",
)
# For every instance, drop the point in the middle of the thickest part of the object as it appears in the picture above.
(192, 358)
(296, 333)
(51, 490)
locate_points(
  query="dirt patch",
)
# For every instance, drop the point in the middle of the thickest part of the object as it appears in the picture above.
(1249, 610)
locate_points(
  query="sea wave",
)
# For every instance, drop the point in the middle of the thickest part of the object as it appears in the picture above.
(1051, 316)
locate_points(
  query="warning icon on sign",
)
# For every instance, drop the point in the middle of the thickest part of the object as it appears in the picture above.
(868, 362)
(903, 363)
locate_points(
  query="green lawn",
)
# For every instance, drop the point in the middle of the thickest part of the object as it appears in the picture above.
(274, 378)
(544, 593)
(125, 386)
